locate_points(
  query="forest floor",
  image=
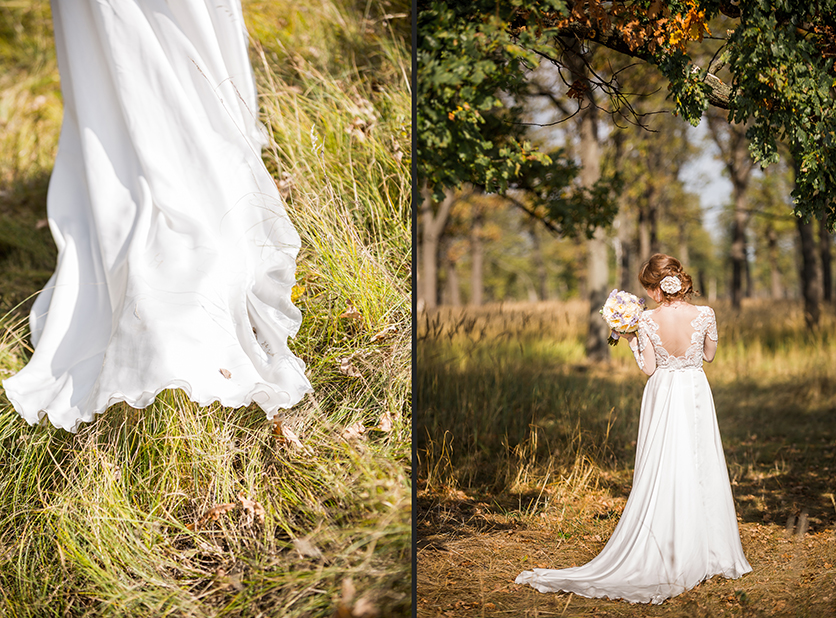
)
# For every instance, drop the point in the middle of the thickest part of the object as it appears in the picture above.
(472, 547)
(539, 480)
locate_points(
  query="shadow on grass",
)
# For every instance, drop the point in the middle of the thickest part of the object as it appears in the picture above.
(480, 430)
(780, 445)
(27, 251)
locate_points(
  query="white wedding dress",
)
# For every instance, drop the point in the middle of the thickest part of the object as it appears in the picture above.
(176, 258)
(679, 526)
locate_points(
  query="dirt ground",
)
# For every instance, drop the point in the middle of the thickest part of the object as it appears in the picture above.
(471, 547)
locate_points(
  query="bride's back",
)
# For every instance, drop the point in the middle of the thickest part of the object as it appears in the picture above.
(674, 326)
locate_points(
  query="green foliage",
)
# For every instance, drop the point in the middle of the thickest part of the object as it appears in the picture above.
(784, 87)
(472, 82)
(465, 131)
(777, 64)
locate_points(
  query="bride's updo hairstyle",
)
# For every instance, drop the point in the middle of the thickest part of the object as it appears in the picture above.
(659, 266)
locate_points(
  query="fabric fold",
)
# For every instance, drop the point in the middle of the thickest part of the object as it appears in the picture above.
(176, 256)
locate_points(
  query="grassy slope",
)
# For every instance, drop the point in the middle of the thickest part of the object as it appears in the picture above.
(517, 433)
(96, 523)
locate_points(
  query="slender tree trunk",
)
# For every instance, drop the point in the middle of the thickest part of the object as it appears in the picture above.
(747, 272)
(432, 227)
(539, 262)
(628, 277)
(683, 256)
(738, 248)
(476, 259)
(454, 296)
(653, 221)
(734, 147)
(810, 289)
(596, 264)
(644, 234)
(826, 261)
(776, 291)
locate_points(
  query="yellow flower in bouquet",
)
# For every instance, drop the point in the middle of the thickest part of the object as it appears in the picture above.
(621, 312)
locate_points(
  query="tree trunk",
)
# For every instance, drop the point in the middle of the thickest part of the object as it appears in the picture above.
(539, 263)
(623, 243)
(738, 248)
(596, 339)
(432, 227)
(628, 277)
(734, 147)
(776, 291)
(684, 256)
(454, 296)
(826, 261)
(644, 235)
(810, 289)
(597, 275)
(476, 259)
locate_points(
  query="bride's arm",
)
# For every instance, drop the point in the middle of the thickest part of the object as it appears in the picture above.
(642, 349)
(710, 345)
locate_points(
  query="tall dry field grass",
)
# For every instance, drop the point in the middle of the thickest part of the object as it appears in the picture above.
(506, 401)
(177, 510)
(526, 455)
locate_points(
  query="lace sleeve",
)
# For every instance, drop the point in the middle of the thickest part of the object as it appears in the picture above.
(643, 349)
(710, 343)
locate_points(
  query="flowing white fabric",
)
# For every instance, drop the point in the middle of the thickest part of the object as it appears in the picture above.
(679, 526)
(176, 258)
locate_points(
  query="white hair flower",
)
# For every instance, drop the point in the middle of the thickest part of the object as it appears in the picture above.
(671, 284)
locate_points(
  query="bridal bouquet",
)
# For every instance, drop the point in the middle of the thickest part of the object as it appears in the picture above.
(621, 312)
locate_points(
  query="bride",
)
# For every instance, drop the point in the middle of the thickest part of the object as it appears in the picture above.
(176, 258)
(678, 527)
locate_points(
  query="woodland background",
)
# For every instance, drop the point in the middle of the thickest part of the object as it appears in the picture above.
(555, 154)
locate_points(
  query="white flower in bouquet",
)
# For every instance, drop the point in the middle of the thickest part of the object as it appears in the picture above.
(621, 312)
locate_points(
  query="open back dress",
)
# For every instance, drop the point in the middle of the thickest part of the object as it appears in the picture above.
(679, 525)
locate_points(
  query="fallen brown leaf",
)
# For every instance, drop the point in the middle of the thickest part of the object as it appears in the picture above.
(387, 332)
(286, 436)
(285, 185)
(252, 509)
(353, 431)
(213, 514)
(343, 611)
(347, 368)
(348, 590)
(225, 373)
(365, 608)
(352, 313)
(306, 549)
(386, 421)
(228, 580)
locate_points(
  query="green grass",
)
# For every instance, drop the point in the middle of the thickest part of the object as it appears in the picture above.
(96, 523)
